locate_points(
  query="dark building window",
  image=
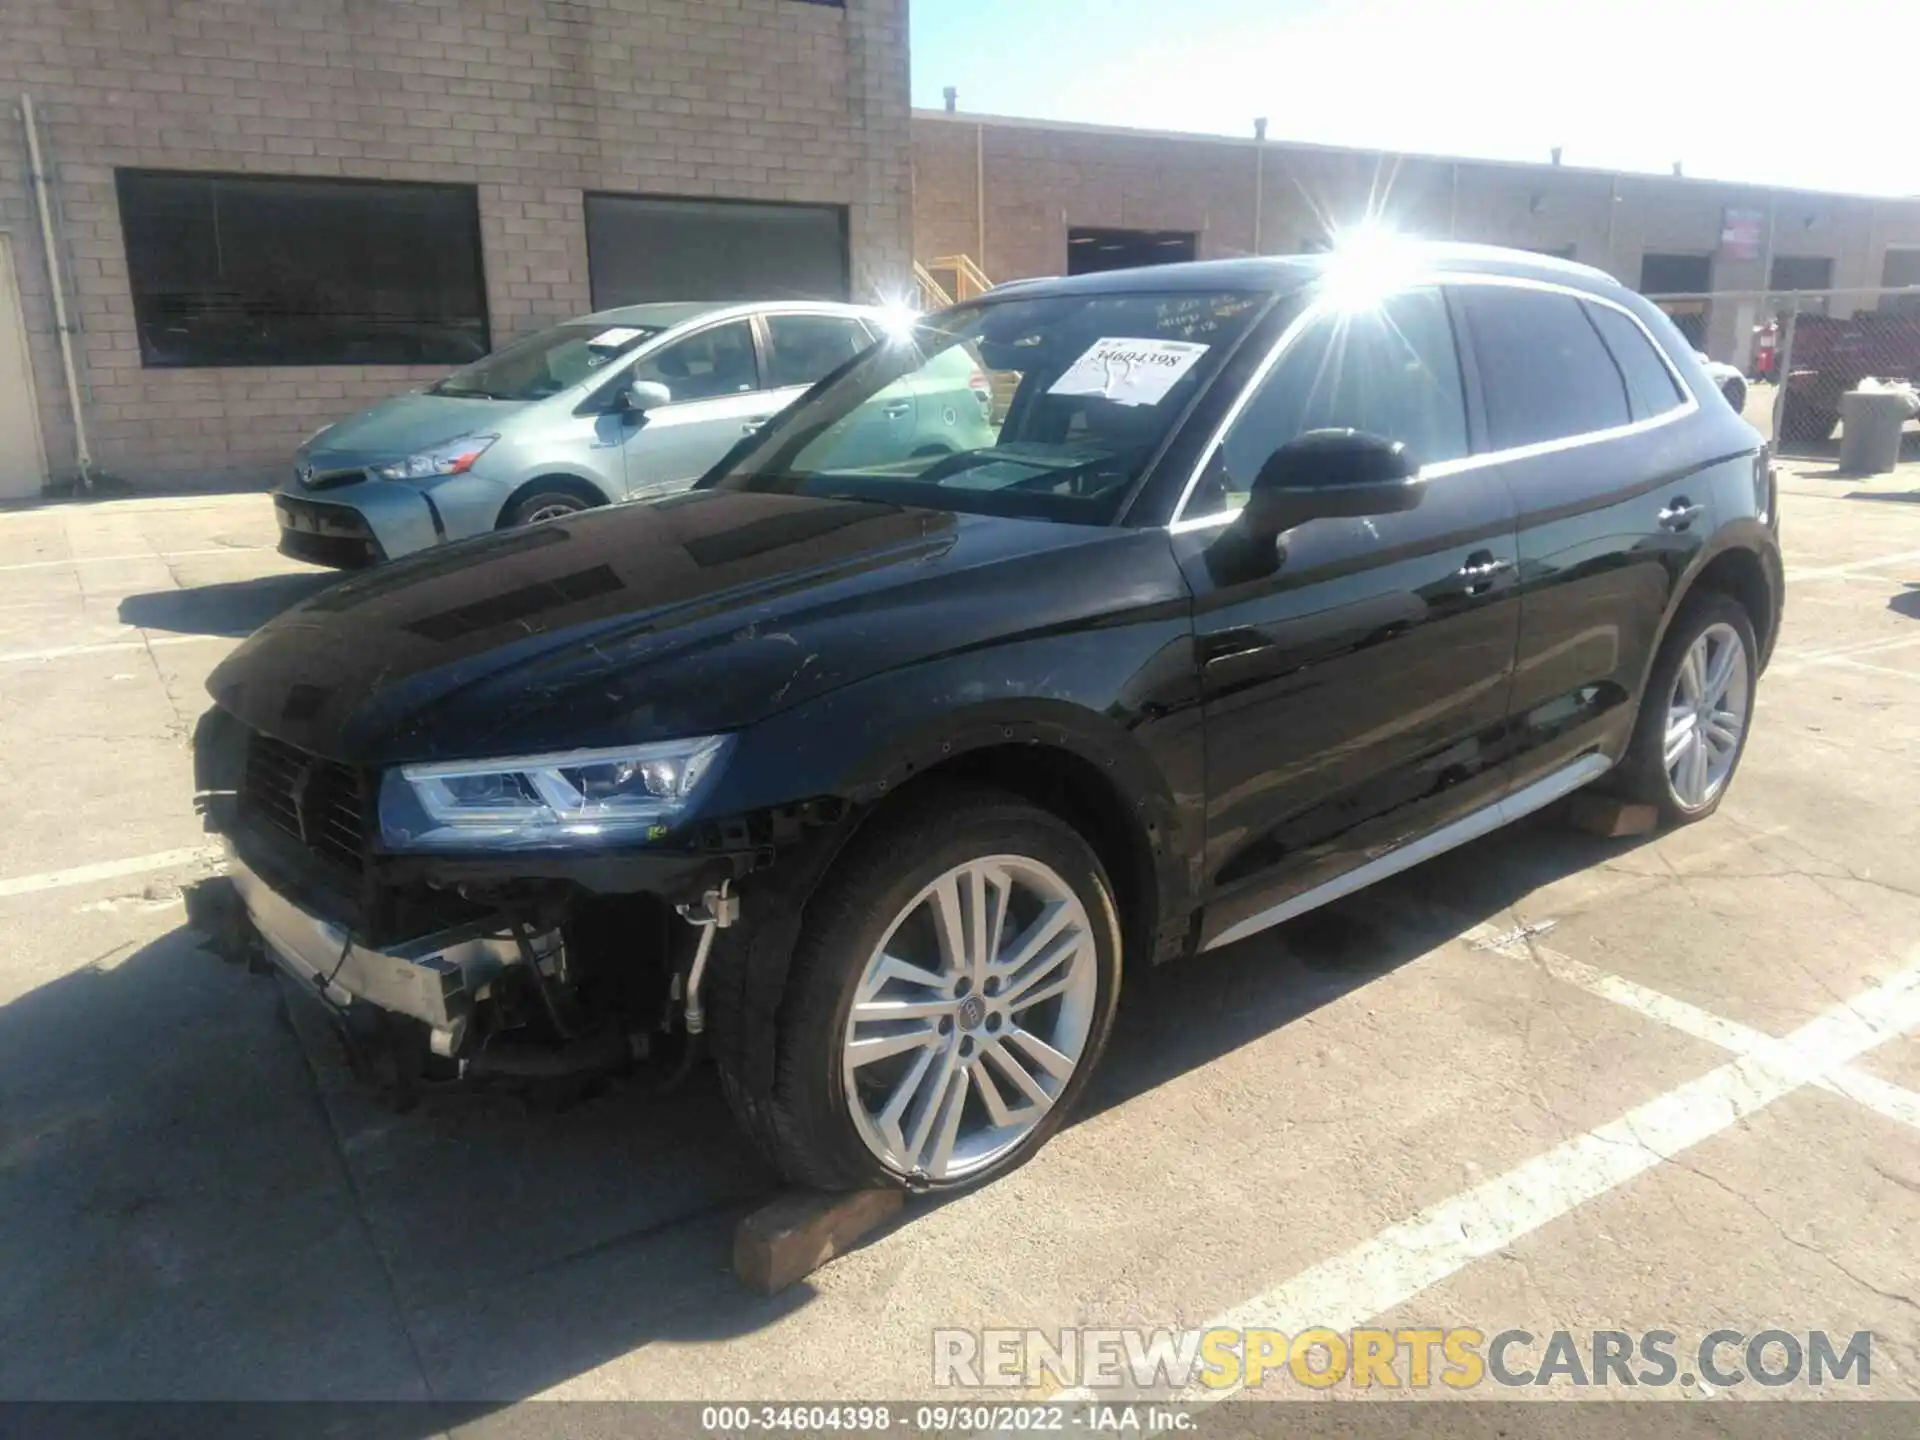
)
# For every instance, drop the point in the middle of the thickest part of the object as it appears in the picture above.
(1680, 275)
(642, 249)
(1900, 270)
(1675, 274)
(1801, 272)
(1091, 250)
(258, 270)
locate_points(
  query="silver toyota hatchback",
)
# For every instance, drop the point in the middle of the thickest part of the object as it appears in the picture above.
(622, 404)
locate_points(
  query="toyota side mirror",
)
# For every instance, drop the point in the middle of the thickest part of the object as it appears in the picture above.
(1327, 474)
(644, 395)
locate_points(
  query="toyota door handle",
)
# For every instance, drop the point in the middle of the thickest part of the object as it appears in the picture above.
(898, 410)
(1680, 514)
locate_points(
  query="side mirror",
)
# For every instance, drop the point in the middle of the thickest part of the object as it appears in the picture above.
(1331, 474)
(644, 395)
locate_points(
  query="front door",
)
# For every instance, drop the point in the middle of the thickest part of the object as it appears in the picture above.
(23, 469)
(1355, 682)
(714, 378)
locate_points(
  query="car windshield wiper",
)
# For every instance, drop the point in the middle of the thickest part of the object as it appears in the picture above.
(465, 392)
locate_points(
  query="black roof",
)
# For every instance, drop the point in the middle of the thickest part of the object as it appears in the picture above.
(1286, 273)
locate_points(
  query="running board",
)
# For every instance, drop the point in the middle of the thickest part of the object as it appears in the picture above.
(1484, 821)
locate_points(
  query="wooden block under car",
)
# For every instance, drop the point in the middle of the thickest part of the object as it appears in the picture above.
(1603, 815)
(794, 1235)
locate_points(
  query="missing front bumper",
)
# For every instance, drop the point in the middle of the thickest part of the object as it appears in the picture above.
(437, 979)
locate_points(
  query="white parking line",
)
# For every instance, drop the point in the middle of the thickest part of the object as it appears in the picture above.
(1439, 1241)
(1881, 1096)
(1789, 662)
(109, 870)
(106, 647)
(1852, 567)
(162, 555)
(1847, 662)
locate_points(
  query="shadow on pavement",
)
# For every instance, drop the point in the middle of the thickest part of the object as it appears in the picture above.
(236, 608)
(1181, 1016)
(198, 1206)
(1907, 602)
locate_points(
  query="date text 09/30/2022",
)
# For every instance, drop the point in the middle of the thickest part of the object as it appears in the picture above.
(1093, 1417)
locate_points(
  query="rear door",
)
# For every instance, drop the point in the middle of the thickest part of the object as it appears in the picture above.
(802, 348)
(1355, 693)
(714, 378)
(1579, 408)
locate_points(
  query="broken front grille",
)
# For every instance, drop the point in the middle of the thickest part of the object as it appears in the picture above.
(318, 802)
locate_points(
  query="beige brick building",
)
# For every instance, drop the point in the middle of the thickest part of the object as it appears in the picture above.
(1049, 188)
(525, 108)
(268, 213)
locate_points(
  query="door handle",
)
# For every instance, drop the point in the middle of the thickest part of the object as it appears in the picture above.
(747, 427)
(898, 410)
(1681, 513)
(1483, 567)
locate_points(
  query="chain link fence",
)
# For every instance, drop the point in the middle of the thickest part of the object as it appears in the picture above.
(1785, 358)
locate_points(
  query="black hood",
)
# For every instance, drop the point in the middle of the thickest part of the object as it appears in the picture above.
(695, 615)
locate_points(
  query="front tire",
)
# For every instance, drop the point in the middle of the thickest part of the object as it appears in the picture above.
(1698, 707)
(952, 989)
(545, 503)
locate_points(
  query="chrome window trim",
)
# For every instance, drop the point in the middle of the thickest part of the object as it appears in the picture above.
(1682, 408)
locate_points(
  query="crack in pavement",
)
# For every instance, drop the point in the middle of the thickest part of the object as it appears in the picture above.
(357, 1197)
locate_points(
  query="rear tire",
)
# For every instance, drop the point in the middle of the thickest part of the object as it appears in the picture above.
(1696, 712)
(873, 935)
(1735, 390)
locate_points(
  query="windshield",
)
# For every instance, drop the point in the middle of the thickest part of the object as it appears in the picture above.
(545, 364)
(1050, 407)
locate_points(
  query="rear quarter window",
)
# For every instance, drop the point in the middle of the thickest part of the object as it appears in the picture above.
(1651, 388)
(1544, 372)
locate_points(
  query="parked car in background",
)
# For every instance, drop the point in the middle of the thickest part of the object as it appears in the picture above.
(1728, 380)
(876, 770)
(1830, 356)
(622, 404)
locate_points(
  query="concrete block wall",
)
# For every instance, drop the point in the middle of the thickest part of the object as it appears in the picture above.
(534, 102)
(1042, 178)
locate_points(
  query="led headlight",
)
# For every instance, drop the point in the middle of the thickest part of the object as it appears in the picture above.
(451, 457)
(574, 798)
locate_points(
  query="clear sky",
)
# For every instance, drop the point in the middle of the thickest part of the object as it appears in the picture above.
(1814, 93)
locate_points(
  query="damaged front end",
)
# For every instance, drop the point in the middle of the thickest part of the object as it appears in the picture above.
(526, 965)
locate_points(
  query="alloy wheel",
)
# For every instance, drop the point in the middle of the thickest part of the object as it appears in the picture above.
(970, 1018)
(1706, 716)
(552, 510)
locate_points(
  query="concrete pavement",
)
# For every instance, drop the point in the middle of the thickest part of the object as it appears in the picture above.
(1407, 1111)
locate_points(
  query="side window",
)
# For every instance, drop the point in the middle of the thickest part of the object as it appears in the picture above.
(1651, 388)
(705, 366)
(802, 348)
(1543, 370)
(1391, 371)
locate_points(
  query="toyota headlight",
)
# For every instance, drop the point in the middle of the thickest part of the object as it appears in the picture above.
(577, 797)
(451, 457)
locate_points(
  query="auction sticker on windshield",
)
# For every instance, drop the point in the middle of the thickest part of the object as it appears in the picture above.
(1129, 372)
(614, 339)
